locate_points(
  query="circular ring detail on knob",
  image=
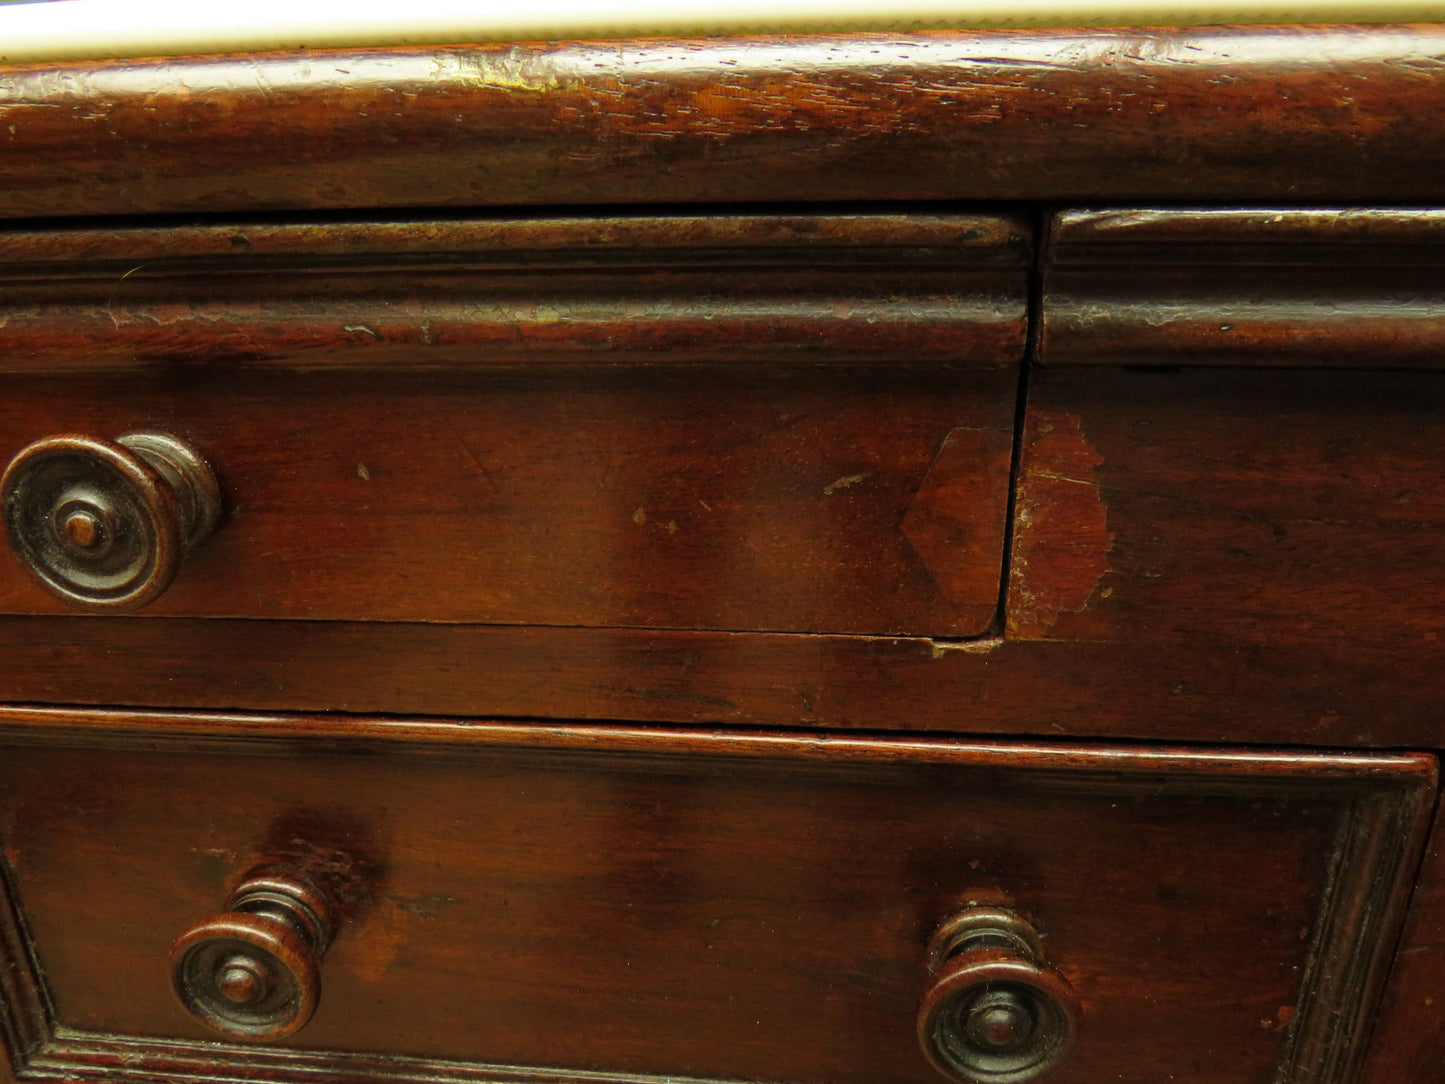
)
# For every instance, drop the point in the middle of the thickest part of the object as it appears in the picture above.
(250, 976)
(996, 1013)
(104, 524)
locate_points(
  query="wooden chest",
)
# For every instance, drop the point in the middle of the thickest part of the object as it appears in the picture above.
(817, 561)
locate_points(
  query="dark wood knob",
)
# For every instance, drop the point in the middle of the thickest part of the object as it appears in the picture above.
(996, 1012)
(104, 524)
(254, 971)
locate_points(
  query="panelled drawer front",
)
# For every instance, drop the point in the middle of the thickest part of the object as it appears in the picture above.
(698, 905)
(795, 424)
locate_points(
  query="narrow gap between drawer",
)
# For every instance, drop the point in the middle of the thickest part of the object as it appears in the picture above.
(1033, 315)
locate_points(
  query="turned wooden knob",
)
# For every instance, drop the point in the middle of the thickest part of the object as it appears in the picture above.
(104, 524)
(254, 971)
(996, 1012)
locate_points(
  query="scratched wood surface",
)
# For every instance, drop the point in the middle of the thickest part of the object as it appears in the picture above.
(847, 288)
(1208, 545)
(785, 499)
(657, 890)
(1197, 555)
(1340, 288)
(1293, 113)
(1230, 507)
(1345, 693)
(792, 423)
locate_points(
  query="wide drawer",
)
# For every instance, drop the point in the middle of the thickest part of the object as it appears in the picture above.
(787, 424)
(510, 901)
(777, 500)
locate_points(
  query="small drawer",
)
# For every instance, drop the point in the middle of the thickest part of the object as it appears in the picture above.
(491, 902)
(777, 424)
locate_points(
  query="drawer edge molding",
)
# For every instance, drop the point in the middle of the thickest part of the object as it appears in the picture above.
(20, 725)
(1314, 288)
(1352, 983)
(819, 289)
(27, 1024)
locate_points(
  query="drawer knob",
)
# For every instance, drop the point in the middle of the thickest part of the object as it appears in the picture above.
(104, 524)
(996, 1012)
(254, 972)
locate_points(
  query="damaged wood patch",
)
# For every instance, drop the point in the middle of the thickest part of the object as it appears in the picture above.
(1061, 535)
(956, 520)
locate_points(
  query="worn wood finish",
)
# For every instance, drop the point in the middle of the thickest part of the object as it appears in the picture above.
(501, 493)
(1345, 289)
(1247, 236)
(1347, 693)
(1197, 555)
(566, 467)
(1231, 507)
(525, 874)
(618, 241)
(724, 498)
(841, 289)
(1285, 113)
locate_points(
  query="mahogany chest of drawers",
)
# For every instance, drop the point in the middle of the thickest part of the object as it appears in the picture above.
(806, 560)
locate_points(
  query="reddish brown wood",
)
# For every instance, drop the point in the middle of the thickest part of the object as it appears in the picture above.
(1241, 508)
(1061, 537)
(422, 450)
(1406, 1045)
(25, 1022)
(1245, 236)
(529, 874)
(1294, 113)
(253, 972)
(1198, 556)
(825, 289)
(996, 1010)
(736, 237)
(104, 524)
(568, 497)
(1344, 288)
(1347, 693)
(712, 498)
(947, 522)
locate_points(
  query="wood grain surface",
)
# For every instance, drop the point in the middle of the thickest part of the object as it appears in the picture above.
(656, 890)
(786, 422)
(1341, 288)
(1347, 693)
(733, 499)
(26, 1024)
(1246, 113)
(1197, 555)
(436, 293)
(1231, 507)
(743, 468)
(1411, 1031)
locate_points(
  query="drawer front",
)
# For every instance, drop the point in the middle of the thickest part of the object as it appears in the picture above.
(800, 500)
(778, 424)
(512, 901)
